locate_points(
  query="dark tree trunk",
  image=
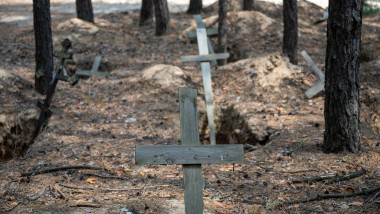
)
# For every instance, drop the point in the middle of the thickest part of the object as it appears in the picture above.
(162, 16)
(84, 10)
(248, 4)
(342, 112)
(146, 12)
(195, 7)
(222, 30)
(44, 42)
(290, 38)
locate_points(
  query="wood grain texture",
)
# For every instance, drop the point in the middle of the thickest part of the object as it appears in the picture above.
(204, 154)
(313, 65)
(96, 64)
(204, 58)
(206, 77)
(320, 86)
(192, 174)
(209, 31)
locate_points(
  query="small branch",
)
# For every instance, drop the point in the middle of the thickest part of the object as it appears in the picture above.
(299, 171)
(331, 179)
(100, 189)
(35, 197)
(105, 176)
(346, 177)
(63, 195)
(84, 204)
(36, 172)
(328, 196)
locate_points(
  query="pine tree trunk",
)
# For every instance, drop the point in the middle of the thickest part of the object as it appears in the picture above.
(195, 7)
(222, 30)
(44, 42)
(162, 16)
(248, 4)
(342, 112)
(84, 10)
(146, 12)
(290, 38)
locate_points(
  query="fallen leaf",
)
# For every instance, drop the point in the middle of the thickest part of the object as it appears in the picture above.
(127, 170)
(119, 172)
(166, 117)
(349, 189)
(91, 180)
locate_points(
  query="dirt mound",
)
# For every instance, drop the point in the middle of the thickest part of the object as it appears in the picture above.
(166, 76)
(266, 72)
(17, 121)
(77, 25)
(244, 29)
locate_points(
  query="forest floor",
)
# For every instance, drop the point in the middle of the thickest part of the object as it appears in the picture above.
(259, 101)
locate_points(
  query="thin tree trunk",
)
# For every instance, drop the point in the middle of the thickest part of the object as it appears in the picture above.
(195, 7)
(146, 12)
(248, 4)
(84, 10)
(342, 111)
(162, 16)
(222, 30)
(44, 42)
(290, 38)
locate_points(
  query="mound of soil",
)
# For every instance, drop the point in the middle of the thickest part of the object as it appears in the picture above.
(78, 25)
(165, 75)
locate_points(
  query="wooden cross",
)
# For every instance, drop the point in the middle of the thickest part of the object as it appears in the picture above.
(190, 154)
(320, 86)
(94, 69)
(205, 57)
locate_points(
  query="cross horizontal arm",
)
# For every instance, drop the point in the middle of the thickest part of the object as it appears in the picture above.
(90, 73)
(204, 154)
(204, 58)
(209, 32)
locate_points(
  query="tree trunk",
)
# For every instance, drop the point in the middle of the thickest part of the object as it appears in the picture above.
(44, 42)
(146, 12)
(84, 10)
(342, 112)
(222, 30)
(195, 7)
(162, 16)
(248, 4)
(290, 38)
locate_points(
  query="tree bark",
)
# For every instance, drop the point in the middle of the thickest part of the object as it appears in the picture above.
(84, 10)
(162, 16)
(44, 42)
(222, 30)
(195, 7)
(290, 38)
(146, 12)
(248, 4)
(342, 111)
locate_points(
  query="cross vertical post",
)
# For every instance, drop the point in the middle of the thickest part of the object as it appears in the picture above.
(192, 173)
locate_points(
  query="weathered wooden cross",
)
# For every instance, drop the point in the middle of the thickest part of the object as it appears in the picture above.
(204, 57)
(321, 83)
(190, 154)
(94, 69)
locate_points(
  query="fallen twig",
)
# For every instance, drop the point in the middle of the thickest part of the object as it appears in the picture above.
(36, 172)
(85, 204)
(331, 179)
(100, 189)
(105, 176)
(328, 196)
(346, 177)
(299, 171)
(299, 145)
(319, 197)
(63, 195)
(35, 197)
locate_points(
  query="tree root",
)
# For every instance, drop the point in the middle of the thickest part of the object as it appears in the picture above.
(331, 179)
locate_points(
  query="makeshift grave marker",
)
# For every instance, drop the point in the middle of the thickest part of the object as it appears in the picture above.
(58, 74)
(321, 83)
(205, 57)
(190, 154)
(94, 69)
